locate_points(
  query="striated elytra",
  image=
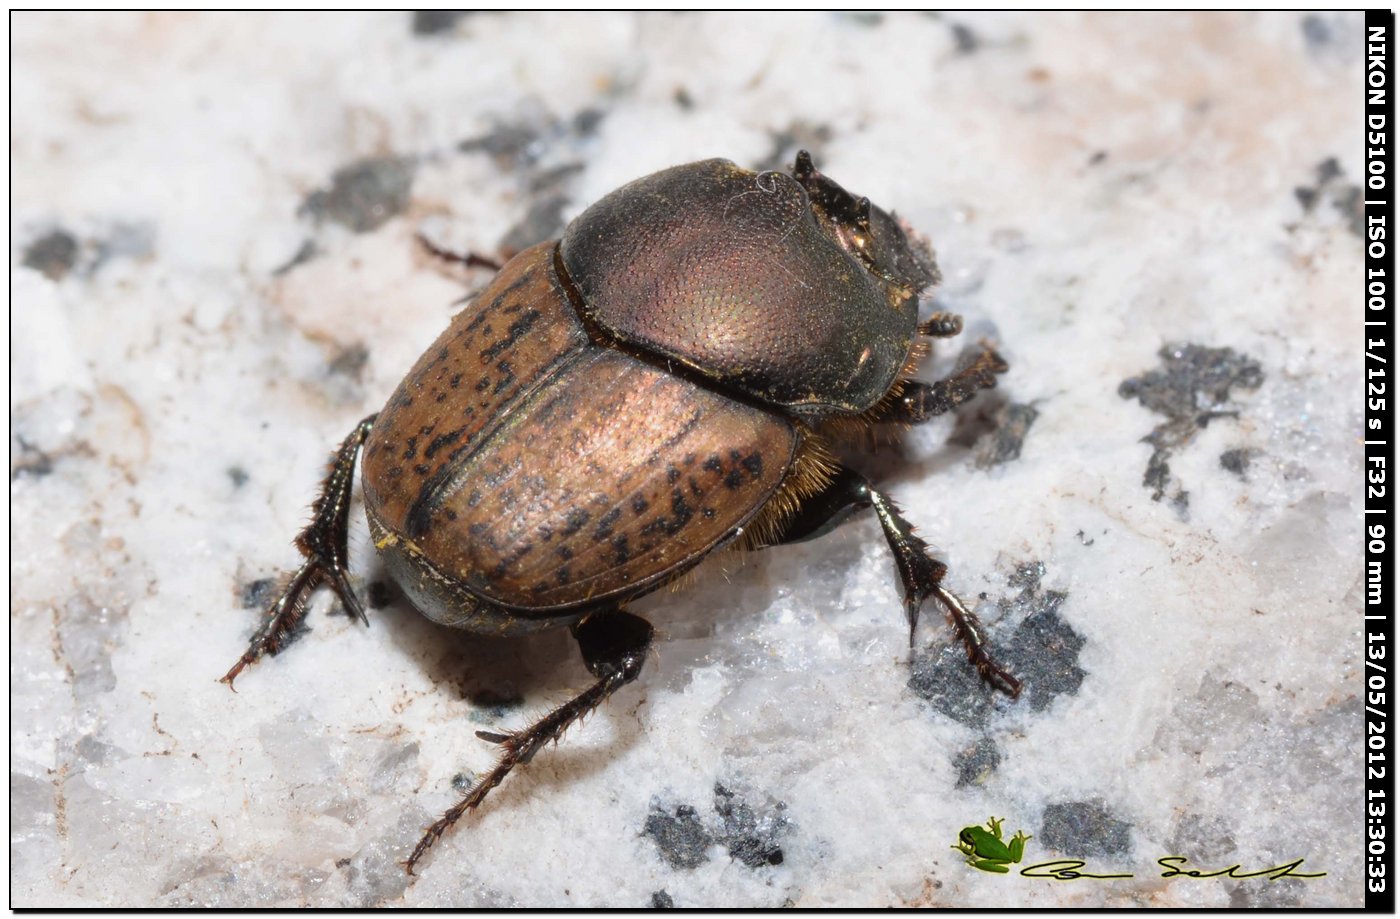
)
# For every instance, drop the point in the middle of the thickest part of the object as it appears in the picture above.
(663, 382)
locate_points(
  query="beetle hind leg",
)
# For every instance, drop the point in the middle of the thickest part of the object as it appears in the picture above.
(920, 574)
(614, 645)
(324, 543)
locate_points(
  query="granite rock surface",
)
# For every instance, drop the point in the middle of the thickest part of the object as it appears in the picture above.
(1157, 514)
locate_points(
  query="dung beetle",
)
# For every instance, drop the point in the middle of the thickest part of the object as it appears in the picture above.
(666, 380)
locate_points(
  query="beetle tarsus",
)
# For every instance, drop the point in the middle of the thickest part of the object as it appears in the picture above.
(969, 629)
(614, 646)
(942, 325)
(325, 543)
(282, 619)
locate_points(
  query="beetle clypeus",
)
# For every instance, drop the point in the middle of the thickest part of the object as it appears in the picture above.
(660, 383)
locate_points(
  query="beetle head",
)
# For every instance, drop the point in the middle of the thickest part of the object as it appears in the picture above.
(885, 245)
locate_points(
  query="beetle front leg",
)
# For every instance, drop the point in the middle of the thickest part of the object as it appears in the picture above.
(919, 572)
(920, 401)
(324, 543)
(614, 645)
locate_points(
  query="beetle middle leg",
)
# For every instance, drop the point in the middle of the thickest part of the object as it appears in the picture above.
(614, 645)
(919, 572)
(324, 542)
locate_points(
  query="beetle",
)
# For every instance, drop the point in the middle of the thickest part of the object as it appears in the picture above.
(986, 851)
(666, 380)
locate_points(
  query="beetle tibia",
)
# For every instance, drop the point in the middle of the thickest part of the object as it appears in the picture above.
(324, 543)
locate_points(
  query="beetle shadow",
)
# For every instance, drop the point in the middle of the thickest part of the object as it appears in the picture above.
(490, 672)
(513, 680)
(510, 681)
(726, 594)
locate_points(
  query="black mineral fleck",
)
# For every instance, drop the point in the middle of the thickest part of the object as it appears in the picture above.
(750, 835)
(1010, 424)
(436, 22)
(1331, 38)
(54, 254)
(512, 144)
(1316, 31)
(1328, 185)
(1193, 388)
(350, 361)
(976, 762)
(1044, 654)
(544, 153)
(680, 836)
(538, 143)
(1202, 839)
(964, 39)
(1279, 894)
(548, 193)
(1236, 461)
(586, 122)
(305, 253)
(1084, 829)
(941, 677)
(662, 900)
(31, 461)
(1042, 651)
(544, 220)
(258, 594)
(365, 194)
(750, 830)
